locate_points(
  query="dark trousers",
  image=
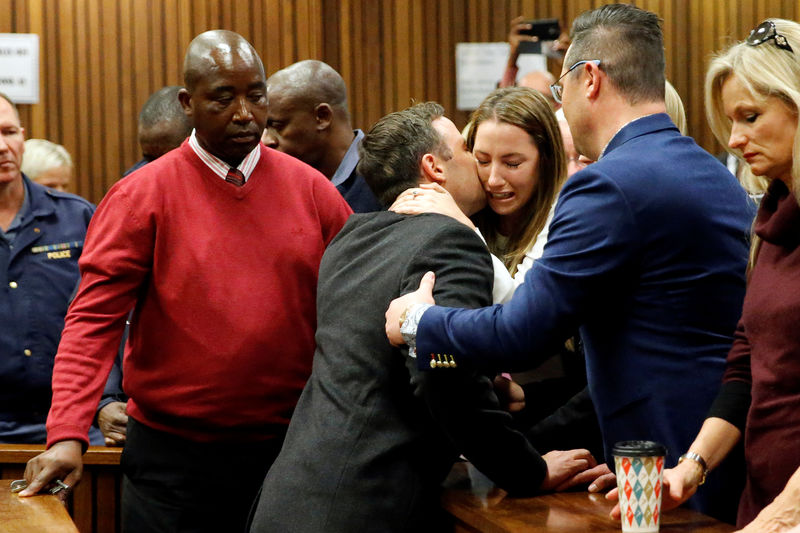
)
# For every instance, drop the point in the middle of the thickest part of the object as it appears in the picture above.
(171, 484)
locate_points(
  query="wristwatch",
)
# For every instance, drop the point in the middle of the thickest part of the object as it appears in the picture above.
(409, 320)
(697, 458)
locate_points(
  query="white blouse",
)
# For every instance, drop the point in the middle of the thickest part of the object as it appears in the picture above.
(504, 284)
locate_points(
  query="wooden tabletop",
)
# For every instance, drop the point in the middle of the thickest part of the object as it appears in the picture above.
(42, 513)
(477, 505)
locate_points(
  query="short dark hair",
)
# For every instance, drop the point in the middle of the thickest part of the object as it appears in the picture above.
(392, 149)
(164, 106)
(630, 45)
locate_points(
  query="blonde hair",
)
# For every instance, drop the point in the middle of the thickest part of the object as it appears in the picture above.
(675, 108)
(529, 110)
(42, 155)
(764, 70)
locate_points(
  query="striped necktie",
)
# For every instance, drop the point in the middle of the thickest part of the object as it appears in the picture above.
(235, 176)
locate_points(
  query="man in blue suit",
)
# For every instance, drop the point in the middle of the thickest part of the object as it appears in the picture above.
(647, 255)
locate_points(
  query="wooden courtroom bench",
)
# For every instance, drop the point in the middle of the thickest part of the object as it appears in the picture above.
(95, 503)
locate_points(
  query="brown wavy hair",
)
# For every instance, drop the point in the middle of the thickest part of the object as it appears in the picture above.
(527, 109)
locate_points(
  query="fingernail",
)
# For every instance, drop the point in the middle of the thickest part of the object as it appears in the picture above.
(592, 487)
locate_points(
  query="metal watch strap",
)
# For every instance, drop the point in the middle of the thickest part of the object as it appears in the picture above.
(697, 458)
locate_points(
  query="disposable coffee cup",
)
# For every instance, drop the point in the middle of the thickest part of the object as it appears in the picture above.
(640, 469)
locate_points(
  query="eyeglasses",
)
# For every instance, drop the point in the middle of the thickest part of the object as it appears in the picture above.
(766, 31)
(557, 89)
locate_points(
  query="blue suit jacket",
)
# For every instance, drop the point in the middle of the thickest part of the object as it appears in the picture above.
(647, 254)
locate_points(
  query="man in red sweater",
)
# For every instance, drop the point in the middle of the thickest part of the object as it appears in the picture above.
(216, 247)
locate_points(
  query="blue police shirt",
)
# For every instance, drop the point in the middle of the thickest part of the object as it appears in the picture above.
(38, 272)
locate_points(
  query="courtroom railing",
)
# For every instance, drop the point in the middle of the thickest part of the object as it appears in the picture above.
(95, 503)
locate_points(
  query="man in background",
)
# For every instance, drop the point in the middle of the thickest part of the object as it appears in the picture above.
(307, 118)
(41, 238)
(216, 248)
(163, 125)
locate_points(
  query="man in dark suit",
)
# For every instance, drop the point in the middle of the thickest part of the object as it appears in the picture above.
(647, 255)
(308, 119)
(372, 438)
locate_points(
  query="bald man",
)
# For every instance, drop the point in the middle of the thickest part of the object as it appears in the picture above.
(216, 246)
(307, 118)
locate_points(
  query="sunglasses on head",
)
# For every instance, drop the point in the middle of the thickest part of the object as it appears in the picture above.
(766, 31)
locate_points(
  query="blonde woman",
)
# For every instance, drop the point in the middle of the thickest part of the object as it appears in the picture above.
(752, 101)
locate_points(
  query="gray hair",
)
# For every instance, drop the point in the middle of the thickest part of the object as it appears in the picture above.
(42, 155)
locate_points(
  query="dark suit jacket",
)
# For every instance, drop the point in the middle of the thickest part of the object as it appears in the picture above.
(646, 253)
(358, 195)
(372, 438)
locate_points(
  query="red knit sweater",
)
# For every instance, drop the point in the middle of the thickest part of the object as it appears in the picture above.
(222, 280)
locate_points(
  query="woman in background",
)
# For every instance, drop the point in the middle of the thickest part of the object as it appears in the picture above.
(752, 101)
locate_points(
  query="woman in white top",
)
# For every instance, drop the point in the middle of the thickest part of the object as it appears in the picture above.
(519, 151)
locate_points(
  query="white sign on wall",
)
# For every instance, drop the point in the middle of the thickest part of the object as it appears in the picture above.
(19, 67)
(480, 66)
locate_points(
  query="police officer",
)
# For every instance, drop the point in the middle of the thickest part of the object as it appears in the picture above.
(41, 237)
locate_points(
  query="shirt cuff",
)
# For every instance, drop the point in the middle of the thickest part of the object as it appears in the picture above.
(409, 327)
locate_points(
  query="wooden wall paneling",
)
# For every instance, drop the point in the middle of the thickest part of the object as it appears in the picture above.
(169, 44)
(288, 50)
(156, 45)
(36, 118)
(352, 24)
(419, 89)
(343, 56)
(63, 106)
(129, 104)
(432, 41)
(49, 85)
(92, 86)
(388, 55)
(259, 38)
(186, 33)
(331, 35)
(402, 42)
(371, 101)
(7, 24)
(84, 155)
(225, 17)
(445, 59)
(272, 60)
(241, 17)
(110, 95)
(461, 24)
(312, 30)
(499, 17)
(200, 17)
(694, 54)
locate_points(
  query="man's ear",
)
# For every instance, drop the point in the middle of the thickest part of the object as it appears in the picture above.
(432, 170)
(594, 80)
(186, 101)
(323, 114)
